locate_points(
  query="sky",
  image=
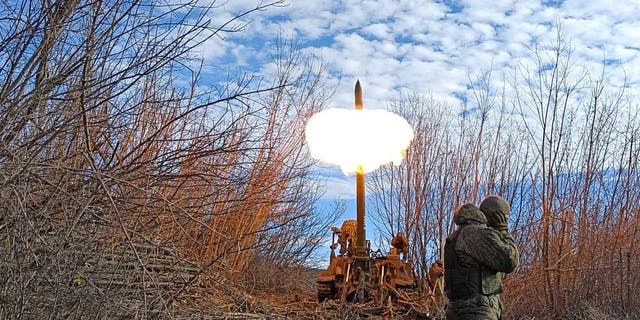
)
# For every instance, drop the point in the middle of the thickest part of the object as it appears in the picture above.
(399, 47)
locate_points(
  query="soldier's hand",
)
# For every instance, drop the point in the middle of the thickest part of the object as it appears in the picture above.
(496, 210)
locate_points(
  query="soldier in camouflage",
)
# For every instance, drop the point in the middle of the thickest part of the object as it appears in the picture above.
(476, 255)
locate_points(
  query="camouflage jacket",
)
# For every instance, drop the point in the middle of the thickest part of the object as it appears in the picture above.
(475, 258)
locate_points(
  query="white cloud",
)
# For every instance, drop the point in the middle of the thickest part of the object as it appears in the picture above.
(423, 46)
(379, 30)
(510, 25)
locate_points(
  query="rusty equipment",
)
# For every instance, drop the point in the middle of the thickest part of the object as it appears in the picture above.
(356, 274)
(351, 278)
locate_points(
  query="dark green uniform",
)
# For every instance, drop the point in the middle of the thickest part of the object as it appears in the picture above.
(475, 256)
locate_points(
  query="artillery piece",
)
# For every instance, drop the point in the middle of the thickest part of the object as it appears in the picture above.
(356, 273)
(373, 276)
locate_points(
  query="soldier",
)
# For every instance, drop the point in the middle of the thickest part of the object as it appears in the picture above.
(475, 256)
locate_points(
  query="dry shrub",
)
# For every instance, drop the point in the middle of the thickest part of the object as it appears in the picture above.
(560, 145)
(127, 193)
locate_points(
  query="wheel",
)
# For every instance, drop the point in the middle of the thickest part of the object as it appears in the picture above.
(326, 290)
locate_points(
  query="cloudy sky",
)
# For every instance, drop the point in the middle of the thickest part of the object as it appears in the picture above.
(430, 47)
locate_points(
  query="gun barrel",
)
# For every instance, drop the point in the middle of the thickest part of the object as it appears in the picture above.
(360, 204)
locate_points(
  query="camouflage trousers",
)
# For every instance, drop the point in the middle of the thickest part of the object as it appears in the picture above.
(479, 307)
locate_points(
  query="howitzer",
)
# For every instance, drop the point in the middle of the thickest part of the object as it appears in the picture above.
(355, 273)
(354, 278)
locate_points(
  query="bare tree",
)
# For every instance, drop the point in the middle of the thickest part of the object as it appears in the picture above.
(572, 244)
(560, 144)
(124, 187)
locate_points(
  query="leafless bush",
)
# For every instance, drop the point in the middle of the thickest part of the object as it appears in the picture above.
(561, 147)
(123, 189)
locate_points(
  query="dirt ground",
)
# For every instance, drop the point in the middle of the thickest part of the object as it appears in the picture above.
(288, 299)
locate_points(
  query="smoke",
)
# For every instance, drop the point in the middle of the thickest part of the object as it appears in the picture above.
(352, 138)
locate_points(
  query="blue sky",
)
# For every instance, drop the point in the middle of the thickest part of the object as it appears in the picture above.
(423, 46)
